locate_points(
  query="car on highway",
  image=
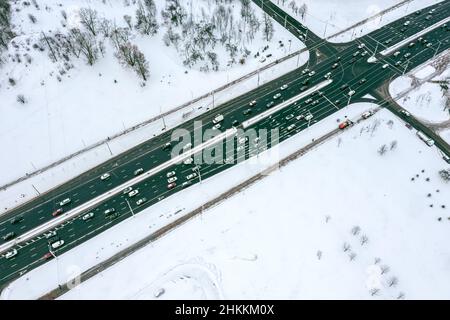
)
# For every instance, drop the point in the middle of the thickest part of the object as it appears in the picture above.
(172, 179)
(406, 113)
(362, 45)
(11, 254)
(188, 161)
(300, 117)
(367, 114)
(305, 82)
(305, 71)
(127, 190)
(303, 88)
(364, 53)
(57, 244)
(242, 140)
(334, 66)
(246, 112)
(277, 96)
(403, 29)
(429, 45)
(308, 100)
(136, 191)
(47, 256)
(196, 168)
(171, 185)
(446, 158)
(170, 174)
(270, 104)
(16, 219)
(351, 92)
(57, 212)
(218, 118)
(50, 234)
(291, 127)
(166, 146)
(289, 116)
(141, 201)
(64, 202)
(191, 176)
(396, 53)
(217, 126)
(428, 17)
(252, 103)
(363, 80)
(109, 211)
(311, 73)
(356, 53)
(315, 102)
(398, 63)
(87, 216)
(105, 176)
(344, 86)
(235, 123)
(186, 184)
(327, 75)
(283, 87)
(138, 171)
(388, 41)
(9, 236)
(411, 44)
(345, 124)
(337, 102)
(308, 117)
(407, 23)
(385, 66)
(187, 146)
(407, 55)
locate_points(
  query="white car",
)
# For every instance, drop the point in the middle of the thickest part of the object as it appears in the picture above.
(308, 117)
(170, 174)
(385, 66)
(216, 126)
(252, 103)
(127, 190)
(278, 95)
(57, 244)
(218, 119)
(311, 73)
(87, 216)
(11, 254)
(138, 171)
(351, 92)
(367, 114)
(327, 76)
(305, 71)
(133, 193)
(283, 87)
(292, 126)
(109, 211)
(141, 201)
(188, 161)
(64, 202)
(300, 117)
(105, 176)
(50, 234)
(362, 45)
(191, 176)
(172, 179)
(187, 146)
(406, 113)
(242, 140)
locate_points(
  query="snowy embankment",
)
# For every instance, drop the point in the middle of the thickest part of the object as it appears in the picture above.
(375, 236)
(68, 111)
(326, 18)
(427, 95)
(105, 245)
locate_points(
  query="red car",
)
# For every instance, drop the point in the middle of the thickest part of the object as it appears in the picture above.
(57, 212)
(344, 124)
(171, 185)
(47, 256)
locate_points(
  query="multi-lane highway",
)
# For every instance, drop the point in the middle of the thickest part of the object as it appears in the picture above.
(349, 75)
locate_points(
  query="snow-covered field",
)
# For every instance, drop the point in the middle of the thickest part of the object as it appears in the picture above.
(327, 17)
(86, 106)
(279, 239)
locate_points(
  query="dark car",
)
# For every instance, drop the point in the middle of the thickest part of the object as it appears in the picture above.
(16, 219)
(9, 236)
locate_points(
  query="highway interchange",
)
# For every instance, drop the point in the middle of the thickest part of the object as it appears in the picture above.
(349, 72)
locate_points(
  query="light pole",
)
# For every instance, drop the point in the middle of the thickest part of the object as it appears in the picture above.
(437, 49)
(57, 264)
(129, 206)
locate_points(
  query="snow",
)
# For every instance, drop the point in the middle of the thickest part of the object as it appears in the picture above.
(240, 250)
(87, 106)
(327, 17)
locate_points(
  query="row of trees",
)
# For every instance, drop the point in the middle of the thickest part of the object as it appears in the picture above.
(5, 25)
(196, 38)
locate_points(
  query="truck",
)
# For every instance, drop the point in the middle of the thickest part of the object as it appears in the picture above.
(425, 138)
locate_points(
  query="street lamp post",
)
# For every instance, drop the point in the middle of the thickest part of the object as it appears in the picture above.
(129, 206)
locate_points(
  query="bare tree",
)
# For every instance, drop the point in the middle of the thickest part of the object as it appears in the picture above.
(385, 269)
(267, 27)
(392, 282)
(355, 230)
(382, 150)
(352, 256)
(86, 44)
(21, 99)
(364, 239)
(89, 19)
(346, 247)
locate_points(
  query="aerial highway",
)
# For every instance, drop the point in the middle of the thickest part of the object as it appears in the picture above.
(50, 225)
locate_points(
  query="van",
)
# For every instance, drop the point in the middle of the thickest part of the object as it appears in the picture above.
(64, 202)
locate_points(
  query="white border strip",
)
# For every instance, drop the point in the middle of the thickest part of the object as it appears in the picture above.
(271, 111)
(93, 202)
(413, 37)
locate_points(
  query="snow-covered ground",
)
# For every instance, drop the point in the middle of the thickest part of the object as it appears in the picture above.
(87, 106)
(279, 239)
(428, 101)
(327, 17)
